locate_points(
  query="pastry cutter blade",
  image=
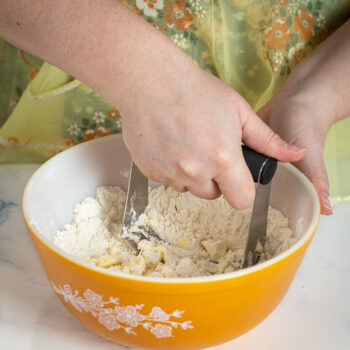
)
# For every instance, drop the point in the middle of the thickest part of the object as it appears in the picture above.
(135, 205)
(136, 201)
(258, 221)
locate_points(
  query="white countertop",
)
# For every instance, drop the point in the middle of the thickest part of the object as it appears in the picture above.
(315, 313)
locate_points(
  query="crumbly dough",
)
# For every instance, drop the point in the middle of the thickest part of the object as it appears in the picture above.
(205, 237)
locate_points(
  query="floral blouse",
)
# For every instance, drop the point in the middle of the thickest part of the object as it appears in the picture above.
(252, 45)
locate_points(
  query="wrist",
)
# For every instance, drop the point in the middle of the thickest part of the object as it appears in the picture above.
(309, 87)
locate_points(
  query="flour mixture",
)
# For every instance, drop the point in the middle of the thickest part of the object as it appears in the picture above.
(207, 237)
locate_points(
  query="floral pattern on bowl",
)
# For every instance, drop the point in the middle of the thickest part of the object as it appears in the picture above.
(116, 316)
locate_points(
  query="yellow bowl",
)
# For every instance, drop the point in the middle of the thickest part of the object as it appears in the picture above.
(156, 313)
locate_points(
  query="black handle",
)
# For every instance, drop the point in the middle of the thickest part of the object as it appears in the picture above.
(263, 168)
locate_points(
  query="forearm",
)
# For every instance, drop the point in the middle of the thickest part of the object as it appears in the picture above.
(324, 76)
(97, 41)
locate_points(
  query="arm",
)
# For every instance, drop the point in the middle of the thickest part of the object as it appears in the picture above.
(316, 95)
(181, 125)
(89, 39)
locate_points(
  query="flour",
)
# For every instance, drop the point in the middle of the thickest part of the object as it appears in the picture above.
(206, 237)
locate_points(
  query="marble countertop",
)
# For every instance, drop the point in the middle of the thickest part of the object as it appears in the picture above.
(315, 313)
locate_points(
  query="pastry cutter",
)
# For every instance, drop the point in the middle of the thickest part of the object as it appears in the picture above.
(262, 169)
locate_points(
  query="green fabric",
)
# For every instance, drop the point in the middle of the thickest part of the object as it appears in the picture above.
(337, 158)
(250, 44)
(14, 77)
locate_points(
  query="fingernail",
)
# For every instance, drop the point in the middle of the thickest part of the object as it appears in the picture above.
(326, 203)
(294, 148)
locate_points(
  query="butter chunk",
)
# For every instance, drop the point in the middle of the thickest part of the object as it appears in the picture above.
(215, 248)
(137, 266)
(185, 267)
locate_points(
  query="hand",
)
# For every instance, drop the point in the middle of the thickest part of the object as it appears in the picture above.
(315, 96)
(301, 121)
(184, 127)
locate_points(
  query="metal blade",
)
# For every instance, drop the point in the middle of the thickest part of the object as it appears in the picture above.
(136, 198)
(258, 225)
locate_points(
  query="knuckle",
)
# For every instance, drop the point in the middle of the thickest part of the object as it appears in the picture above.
(223, 160)
(191, 169)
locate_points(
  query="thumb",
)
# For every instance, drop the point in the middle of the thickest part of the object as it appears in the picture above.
(259, 136)
(312, 165)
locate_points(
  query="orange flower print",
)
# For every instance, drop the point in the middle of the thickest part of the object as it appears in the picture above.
(35, 69)
(158, 26)
(277, 35)
(13, 139)
(70, 142)
(135, 8)
(92, 134)
(102, 131)
(283, 2)
(149, 7)
(89, 135)
(177, 14)
(113, 114)
(304, 24)
(298, 55)
(264, 55)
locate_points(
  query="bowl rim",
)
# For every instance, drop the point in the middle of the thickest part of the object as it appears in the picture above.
(173, 280)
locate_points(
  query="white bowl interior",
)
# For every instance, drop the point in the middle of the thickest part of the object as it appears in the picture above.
(55, 188)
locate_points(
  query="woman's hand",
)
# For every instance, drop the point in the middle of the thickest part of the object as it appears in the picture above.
(315, 96)
(185, 127)
(300, 121)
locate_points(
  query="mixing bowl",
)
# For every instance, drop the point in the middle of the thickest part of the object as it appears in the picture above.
(156, 313)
